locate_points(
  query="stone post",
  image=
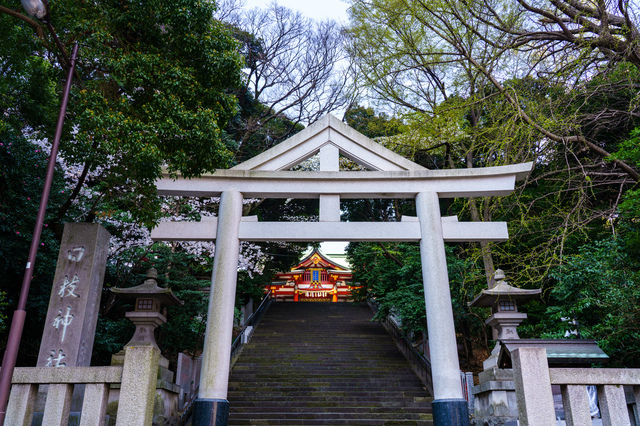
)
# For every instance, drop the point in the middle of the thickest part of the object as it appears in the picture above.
(58, 405)
(21, 404)
(576, 405)
(449, 407)
(138, 387)
(70, 327)
(212, 408)
(329, 204)
(533, 387)
(613, 405)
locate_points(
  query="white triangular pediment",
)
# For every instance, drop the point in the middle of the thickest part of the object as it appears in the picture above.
(329, 135)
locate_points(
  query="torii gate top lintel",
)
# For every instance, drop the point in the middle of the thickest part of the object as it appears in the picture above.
(389, 175)
(393, 176)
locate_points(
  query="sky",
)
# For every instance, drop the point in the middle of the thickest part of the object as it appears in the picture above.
(325, 9)
(332, 9)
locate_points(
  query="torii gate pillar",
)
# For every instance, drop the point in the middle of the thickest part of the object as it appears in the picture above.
(449, 407)
(212, 407)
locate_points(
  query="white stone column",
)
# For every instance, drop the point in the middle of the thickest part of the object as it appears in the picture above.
(329, 158)
(437, 295)
(449, 407)
(214, 378)
(329, 204)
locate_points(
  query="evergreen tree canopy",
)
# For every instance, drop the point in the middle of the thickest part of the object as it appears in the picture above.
(150, 91)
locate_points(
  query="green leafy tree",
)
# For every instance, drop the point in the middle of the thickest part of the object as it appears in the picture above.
(150, 91)
(392, 275)
(371, 124)
(22, 166)
(441, 60)
(188, 279)
(597, 287)
(488, 82)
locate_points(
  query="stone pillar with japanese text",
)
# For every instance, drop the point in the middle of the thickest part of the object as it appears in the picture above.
(67, 340)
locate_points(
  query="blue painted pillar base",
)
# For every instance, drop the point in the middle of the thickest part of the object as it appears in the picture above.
(450, 412)
(210, 412)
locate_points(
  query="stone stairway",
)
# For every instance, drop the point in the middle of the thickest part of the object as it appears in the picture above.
(324, 364)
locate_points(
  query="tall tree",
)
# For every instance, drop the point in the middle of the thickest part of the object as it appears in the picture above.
(293, 76)
(479, 82)
(151, 91)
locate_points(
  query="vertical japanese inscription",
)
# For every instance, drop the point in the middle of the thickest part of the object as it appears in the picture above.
(63, 321)
(55, 360)
(75, 296)
(68, 288)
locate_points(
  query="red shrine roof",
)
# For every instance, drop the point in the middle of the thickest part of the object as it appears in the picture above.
(317, 278)
(316, 260)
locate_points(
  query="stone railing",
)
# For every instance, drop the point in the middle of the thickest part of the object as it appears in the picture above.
(419, 363)
(533, 380)
(61, 382)
(137, 379)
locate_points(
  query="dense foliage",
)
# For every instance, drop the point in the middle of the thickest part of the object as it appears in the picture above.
(485, 83)
(156, 89)
(150, 91)
(392, 275)
(597, 287)
(455, 84)
(22, 166)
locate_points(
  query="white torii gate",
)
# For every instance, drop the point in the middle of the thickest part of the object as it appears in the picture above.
(389, 175)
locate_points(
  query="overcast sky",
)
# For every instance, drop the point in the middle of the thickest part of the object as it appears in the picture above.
(325, 9)
(334, 9)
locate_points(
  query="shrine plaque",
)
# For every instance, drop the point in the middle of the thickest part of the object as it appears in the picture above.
(69, 331)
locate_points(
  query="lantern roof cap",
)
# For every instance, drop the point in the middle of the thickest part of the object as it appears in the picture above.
(149, 289)
(503, 291)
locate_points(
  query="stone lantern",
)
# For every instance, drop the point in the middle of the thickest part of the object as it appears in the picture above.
(148, 312)
(503, 300)
(495, 397)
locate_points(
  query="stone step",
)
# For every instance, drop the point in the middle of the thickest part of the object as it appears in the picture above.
(330, 422)
(375, 412)
(346, 387)
(329, 397)
(325, 385)
(324, 364)
(302, 415)
(370, 373)
(280, 401)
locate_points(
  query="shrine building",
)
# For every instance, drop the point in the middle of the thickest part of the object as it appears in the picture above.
(317, 278)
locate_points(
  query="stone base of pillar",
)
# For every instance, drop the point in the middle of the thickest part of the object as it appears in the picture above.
(495, 398)
(450, 412)
(210, 412)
